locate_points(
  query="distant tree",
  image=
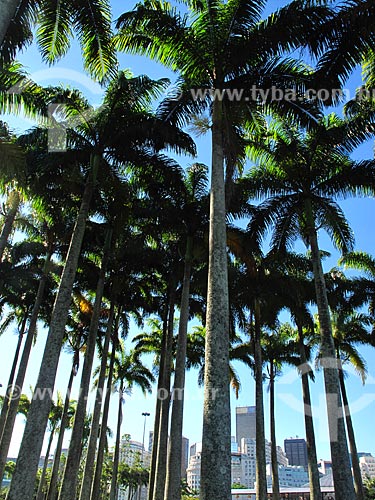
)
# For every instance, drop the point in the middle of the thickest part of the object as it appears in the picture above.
(369, 488)
(238, 486)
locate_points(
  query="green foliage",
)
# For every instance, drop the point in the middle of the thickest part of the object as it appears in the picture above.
(238, 486)
(131, 476)
(9, 468)
(369, 487)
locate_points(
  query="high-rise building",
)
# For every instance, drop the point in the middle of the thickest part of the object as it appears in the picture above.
(184, 452)
(245, 423)
(184, 457)
(237, 468)
(150, 440)
(193, 471)
(132, 452)
(367, 465)
(296, 451)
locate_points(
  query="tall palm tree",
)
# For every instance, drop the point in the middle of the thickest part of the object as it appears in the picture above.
(129, 373)
(69, 483)
(239, 53)
(301, 174)
(19, 315)
(297, 270)
(101, 142)
(301, 295)
(129, 281)
(193, 218)
(96, 482)
(7, 418)
(54, 419)
(95, 422)
(278, 348)
(121, 220)
(166, 360)
(76, 341)
(261, 295)
(351, 329)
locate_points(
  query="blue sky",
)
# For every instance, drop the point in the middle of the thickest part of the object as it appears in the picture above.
(289, 422)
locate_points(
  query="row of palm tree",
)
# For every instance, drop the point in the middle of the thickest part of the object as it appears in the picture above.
(302, 167)
(232, 241)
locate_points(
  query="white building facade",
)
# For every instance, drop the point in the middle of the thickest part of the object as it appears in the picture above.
(243, 463)
(290, 476)
(248, 453)
(130, 453)
(367, 465)
(193, 472)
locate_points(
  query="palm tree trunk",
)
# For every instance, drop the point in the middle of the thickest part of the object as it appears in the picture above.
(155, 440)
(164, 395)
(8, 9)
(315, 492)
(22, 485)
(173, 479)
(14, 200)
(358, 484)
(95, 422)
(260, 444)
(113, 494)
(95, 492)
(10, 388)
(70, 478)
(64, 424)
(342, 475)
(20, 378)
(274, 464)
(216, 467)
(42, 482)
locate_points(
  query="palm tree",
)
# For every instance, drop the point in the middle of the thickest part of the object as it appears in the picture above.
(239, 351)
(77, 337)
(219, 46)
(129, 373)
(301, 174)
(95, 422)
(7, 12)
(128, 284)
(11, 206)
(19, 315)
(350, 330)
(297, 270)
(261, 294)
(55, 26)
(54, 419)
(9, 411)
(12, 183)
(120, 219)
(196, 183)
(164, 384)
(69, 482)
(96, 482)
(345, 41)
(278, 348)
(101, 141)
(301, 295)
(366, 289)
